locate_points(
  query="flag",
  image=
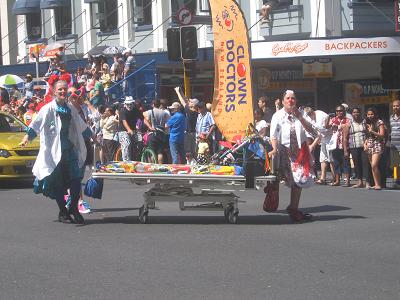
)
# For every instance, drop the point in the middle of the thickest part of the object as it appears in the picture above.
(232, 106)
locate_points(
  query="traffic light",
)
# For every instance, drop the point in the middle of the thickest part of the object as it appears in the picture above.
(173, 44)
(390, 72)
(189, 42)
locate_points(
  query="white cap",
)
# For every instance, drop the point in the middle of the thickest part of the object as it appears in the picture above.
(345, 105)
(129, 100)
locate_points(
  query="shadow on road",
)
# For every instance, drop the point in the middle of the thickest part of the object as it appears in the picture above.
(318, 209)
(7, 185)
(217, 220)
(99, 210)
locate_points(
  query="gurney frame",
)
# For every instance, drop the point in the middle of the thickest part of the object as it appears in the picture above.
(205, 191)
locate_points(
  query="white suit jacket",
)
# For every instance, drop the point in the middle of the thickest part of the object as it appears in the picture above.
(47, 126)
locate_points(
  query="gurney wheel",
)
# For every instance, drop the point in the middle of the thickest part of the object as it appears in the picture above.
(143, 215)
(233, 216)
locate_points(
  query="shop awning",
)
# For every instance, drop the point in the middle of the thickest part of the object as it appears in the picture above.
(23, 7)
(49, 4)
(93, 1)
(326, 47)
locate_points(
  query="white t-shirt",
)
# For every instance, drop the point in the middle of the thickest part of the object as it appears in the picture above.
(320, 118)
(261, 125)
(319, 124)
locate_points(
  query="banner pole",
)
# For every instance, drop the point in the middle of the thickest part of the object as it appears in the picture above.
(37, 62)
(186, 82)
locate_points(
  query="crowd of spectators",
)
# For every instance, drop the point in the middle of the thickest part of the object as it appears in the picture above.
(355, 147)
(352, 146)
(185, 131)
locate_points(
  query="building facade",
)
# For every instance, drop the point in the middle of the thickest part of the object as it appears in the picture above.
(286, 51)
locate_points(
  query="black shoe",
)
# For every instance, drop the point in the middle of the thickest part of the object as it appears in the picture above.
(78, 219)
(64, 217)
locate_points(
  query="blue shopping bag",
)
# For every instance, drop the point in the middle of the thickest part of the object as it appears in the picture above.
(94, 188)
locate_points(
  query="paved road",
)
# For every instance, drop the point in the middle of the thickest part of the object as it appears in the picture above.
(350, 251)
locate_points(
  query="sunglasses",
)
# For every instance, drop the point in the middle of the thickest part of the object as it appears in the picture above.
(339, 110)
(77, 93)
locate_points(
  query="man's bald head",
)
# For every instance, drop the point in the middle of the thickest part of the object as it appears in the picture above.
(396, 107)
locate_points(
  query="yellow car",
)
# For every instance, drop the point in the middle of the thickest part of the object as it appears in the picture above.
(15, 162)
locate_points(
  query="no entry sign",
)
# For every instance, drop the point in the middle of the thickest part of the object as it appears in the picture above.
(184, 16)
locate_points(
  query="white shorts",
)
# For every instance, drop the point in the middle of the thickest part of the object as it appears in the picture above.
(324, 154)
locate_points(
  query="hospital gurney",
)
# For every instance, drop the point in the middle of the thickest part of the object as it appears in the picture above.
(205, 192)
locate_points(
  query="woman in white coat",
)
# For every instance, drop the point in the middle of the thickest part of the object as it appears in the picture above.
(293, 159)
(60, 163)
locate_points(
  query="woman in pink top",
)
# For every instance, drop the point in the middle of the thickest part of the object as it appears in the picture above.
(341, 163)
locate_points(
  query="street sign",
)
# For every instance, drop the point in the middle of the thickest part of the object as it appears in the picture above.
(184, 16)
(397, 14)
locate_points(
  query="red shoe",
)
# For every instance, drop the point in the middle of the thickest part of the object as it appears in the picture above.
(297, 216)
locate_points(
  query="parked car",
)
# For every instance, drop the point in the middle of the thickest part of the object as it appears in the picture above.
(15, 162)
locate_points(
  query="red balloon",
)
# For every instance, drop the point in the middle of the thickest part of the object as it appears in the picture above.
(241, 69)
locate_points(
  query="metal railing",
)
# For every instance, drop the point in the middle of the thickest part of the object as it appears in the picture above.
(133, 74)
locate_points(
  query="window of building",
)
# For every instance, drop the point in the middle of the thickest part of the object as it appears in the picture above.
(204, 6)
(104, 15)
(372, 1)
(178, 4)
(278, 4)
(142, 12)
(33, 26)
(63, 21)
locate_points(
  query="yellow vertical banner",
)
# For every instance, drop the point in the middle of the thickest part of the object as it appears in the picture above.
(232, 106)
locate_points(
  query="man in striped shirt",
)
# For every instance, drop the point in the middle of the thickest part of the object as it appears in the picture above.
(395, 140)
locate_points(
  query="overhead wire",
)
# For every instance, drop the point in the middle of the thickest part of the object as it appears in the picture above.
(317, 25)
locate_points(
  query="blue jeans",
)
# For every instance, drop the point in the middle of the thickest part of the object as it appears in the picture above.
(177, 152)
(341, 164)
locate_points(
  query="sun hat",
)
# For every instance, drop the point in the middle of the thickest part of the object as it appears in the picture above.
(129, 100)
